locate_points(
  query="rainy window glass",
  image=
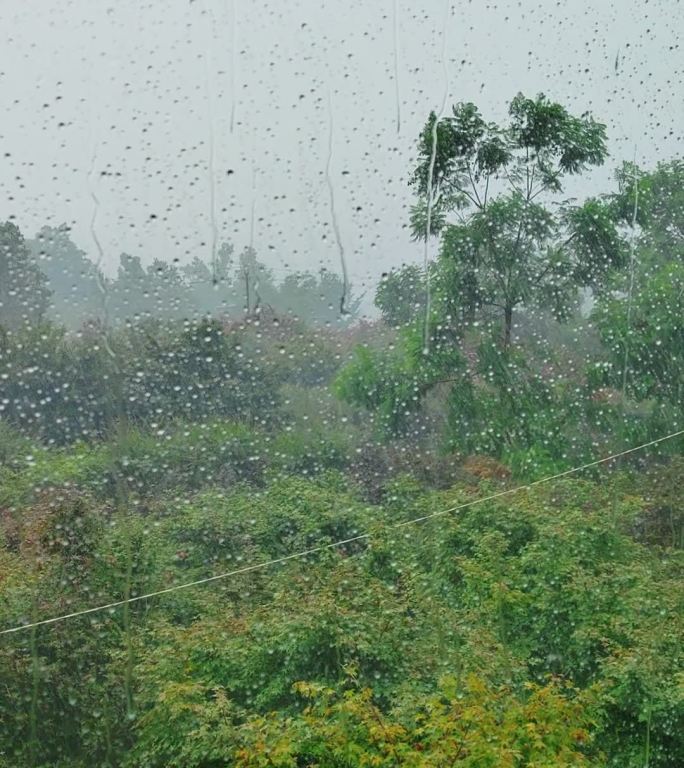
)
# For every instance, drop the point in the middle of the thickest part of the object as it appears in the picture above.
(341, 384)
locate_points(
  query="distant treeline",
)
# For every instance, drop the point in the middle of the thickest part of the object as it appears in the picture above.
(50, 277)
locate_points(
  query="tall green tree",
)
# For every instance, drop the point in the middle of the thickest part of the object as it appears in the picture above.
(491, 192)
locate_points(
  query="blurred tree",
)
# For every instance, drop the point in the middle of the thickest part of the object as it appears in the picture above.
(76, 283)
(130, 290)
(158, 292)
(24, 295)
(400, 296)
(254, 282)
(315, 299)
(211, 286)
(331, 289)
(170, 292)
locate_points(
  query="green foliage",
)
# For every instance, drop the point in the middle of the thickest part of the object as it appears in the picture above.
(55, 388)
(394, 383)
(203, 372)
(559, 142)
(465, 723)
(309, 451)
(646, 333)
(598, 248)
(307, 359)
(560, 629)
(455, 149)
(384, 384)
(184, 458)
(663, 518)
(400, 296)
(62, 388)
(14, 447)
(654, 201)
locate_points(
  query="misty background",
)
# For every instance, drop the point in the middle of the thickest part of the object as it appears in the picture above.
(164, 129)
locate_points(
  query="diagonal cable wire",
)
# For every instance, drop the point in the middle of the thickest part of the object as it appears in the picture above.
(342, 542)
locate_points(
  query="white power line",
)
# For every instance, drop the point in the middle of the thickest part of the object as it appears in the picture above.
(323, 547)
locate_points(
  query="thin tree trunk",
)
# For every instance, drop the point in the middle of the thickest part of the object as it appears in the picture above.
(508, 326)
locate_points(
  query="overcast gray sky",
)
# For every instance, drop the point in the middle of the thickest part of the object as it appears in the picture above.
(149, 92)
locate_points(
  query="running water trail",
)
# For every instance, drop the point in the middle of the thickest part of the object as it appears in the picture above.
(430, 188)
(333, 214)
(630, 293)
(395, 26)
(252, 220)
(99, 277)
(233, 62)
(119, 437)
(90, 183)
(211, 159)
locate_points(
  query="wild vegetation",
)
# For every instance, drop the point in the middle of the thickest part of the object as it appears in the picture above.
(175, 424)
